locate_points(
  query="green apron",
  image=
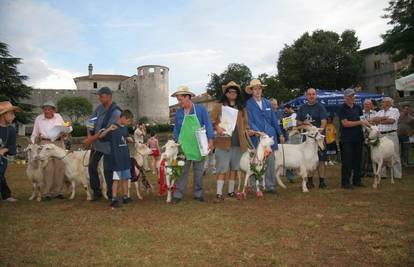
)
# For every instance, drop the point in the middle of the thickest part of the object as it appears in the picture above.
(187, 137)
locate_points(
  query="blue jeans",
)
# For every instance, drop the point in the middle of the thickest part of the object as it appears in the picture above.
(4, 188)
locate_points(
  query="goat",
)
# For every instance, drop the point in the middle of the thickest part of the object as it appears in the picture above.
(303, 157)
(167, 160)
(382, 152)
(75, 171)
(141, 151)
(35, 170)
(256, 159)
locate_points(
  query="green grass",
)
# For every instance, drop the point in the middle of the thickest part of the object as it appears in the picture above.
(333, 227)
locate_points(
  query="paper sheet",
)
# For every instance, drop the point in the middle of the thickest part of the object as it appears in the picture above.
(57, 130)
(228, 119)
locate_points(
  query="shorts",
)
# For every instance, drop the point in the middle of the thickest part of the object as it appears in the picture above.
(122, 175)
(228, 159)
(322, 154)
(331, 149)
(155, 153)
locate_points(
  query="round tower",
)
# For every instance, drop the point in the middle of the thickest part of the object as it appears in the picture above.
(152, 82)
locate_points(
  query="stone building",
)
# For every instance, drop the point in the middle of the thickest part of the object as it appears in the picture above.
(380, 73)
(145, 93)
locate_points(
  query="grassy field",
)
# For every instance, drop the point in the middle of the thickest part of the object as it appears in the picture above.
(333, 227)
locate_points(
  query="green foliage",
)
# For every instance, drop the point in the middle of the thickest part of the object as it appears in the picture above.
(323, 60)
(238, 73)
(275, 89)
(160, 128)
(399, 41)
(12, 87)
(75, 107)
(78, 130)
(143, 119)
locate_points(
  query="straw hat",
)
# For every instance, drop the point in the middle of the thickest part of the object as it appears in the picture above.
(252, 84)
(230, 85)
(183, 90)
(6, 106)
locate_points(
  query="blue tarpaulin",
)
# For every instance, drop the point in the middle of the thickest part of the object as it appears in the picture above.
(332, 100)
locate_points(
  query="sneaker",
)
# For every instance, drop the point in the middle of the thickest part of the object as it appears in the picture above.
(11, 199)
(231, 195)
(219, 199)
(309, 183)
(270, 191)
(200, 199)
(60, 196)
(96, 197)
(322, 185)
(176, 200)
(46, 198)
(126, 200)
(347, 186)
(359, 184)
(115, 203)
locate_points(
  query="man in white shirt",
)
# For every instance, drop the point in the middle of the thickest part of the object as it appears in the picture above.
(387, 121)
(41, 135)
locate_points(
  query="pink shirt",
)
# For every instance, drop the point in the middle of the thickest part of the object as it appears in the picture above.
(42, 125)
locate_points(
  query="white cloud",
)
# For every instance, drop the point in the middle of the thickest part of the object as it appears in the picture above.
(33, 30)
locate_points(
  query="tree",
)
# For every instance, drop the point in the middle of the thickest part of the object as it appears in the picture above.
(75, 107)
(399, 41)
(275, 89)
(324, 59)
(238, 73)
(12, 87)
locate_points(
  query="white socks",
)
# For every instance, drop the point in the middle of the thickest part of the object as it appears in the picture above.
(220, 184)
(231, 186)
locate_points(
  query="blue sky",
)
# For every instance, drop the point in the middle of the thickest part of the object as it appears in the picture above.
(58, 39)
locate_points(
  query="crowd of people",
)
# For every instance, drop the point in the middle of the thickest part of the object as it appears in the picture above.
(108, 139)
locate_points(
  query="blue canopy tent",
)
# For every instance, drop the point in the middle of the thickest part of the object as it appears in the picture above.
(332, 100)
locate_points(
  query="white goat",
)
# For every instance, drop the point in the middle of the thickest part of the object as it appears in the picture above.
(75, 170)
(141, 151)
(302, 157)
(258, 158)
(169, 156)
(382, 153)
(34, 171)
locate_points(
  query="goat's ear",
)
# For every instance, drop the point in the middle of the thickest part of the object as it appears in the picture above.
(323, 135)
(177, 145)
(321, 129)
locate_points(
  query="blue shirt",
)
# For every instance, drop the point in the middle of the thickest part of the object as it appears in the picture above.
(263, 120)
(99, 113)
(119, 148)
(202, 116)
(8, 139)
(313, 113)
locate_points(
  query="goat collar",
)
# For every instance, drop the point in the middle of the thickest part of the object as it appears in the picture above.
(373, 142)
(69, 152)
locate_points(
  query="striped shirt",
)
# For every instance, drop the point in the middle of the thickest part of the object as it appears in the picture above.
(391, 113)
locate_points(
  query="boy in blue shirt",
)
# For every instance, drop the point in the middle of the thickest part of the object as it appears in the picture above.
(117, 136)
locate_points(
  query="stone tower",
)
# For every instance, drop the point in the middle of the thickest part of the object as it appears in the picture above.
(152, 83)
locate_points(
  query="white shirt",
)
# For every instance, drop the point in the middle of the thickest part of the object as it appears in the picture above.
(391, 113)
(139, 136)
(42, 126)
(260, 104)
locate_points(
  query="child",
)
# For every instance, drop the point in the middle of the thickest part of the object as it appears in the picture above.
(331, 148)
(117, 135)
(155, 148)
(7, 145)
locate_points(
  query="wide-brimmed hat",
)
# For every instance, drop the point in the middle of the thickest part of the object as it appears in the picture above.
(252, 84)
(183, 90)
(230, 85)
(6, 106)
(49, 104)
